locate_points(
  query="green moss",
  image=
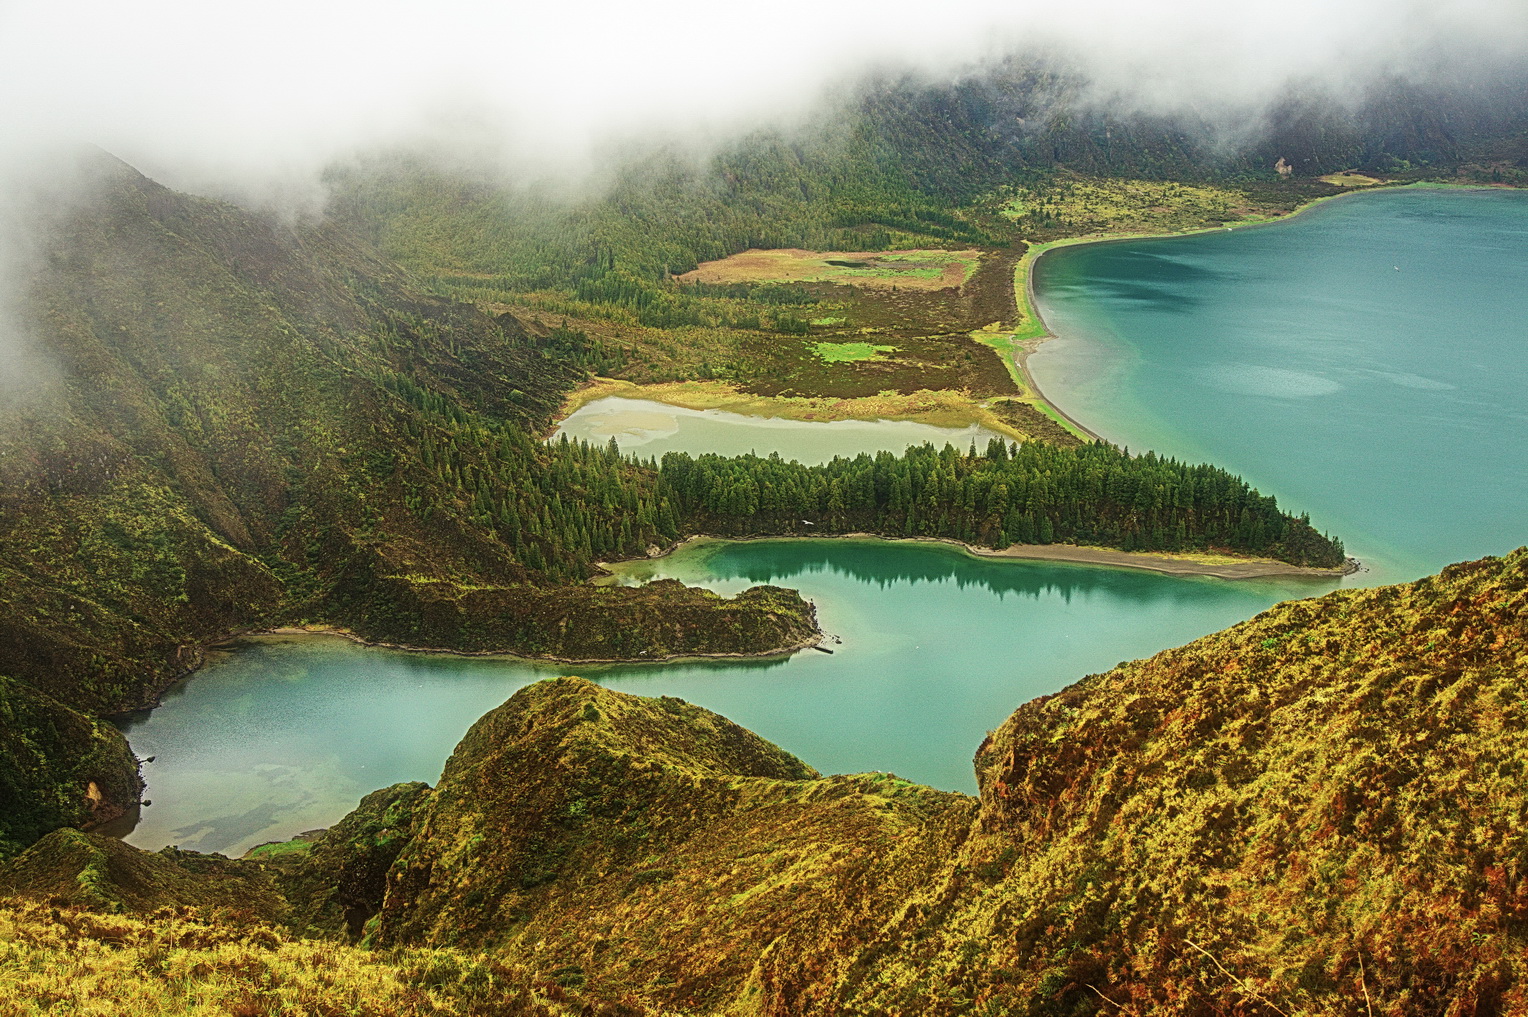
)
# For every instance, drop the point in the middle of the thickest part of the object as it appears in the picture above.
(279, 849)
(838, 353)
(70, 868)
(57, 768)
(336, 882)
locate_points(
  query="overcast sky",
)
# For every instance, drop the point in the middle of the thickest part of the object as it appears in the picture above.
(195, 87)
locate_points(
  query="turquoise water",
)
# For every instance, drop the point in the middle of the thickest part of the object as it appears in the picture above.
(649, 429)
(286, 734)
(1364, 362)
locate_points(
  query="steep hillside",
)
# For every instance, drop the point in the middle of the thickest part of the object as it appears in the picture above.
(1316, 811)
(58, 767)
(244, 423)
(251, 423)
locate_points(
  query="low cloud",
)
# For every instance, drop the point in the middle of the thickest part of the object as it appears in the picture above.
(261, 96)
(252, 101)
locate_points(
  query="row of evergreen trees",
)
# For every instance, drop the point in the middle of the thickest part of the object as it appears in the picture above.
(1031, 493)
(560, 506)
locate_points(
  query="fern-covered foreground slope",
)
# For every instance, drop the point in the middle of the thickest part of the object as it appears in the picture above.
(1316, 811)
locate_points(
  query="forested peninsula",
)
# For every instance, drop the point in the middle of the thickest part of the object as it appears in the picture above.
(241, 421)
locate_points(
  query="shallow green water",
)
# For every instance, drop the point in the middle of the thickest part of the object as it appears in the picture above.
(649, 429)
(285, 735)
(1364, 362)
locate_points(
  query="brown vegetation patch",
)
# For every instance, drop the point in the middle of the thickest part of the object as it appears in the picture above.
(916, 270)
(1027, 419)
(928, 327)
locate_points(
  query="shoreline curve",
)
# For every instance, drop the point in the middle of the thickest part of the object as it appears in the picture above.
(1074, 554)
(1031, 305)
(347, 634)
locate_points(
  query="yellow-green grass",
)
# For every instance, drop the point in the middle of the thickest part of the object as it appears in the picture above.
(1350, 179)
(1132, 206)
(1004, 340)
(840, 353)
(284, 847)
(56, 961)
(915, 270)
(943, 408)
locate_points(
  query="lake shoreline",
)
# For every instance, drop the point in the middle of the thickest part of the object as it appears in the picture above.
(347, 634)
(1028, 305)
(1073, 554)
(943, 408)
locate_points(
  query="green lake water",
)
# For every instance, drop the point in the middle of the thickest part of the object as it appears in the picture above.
(649, 429)
(285, 734)
(1363, 362)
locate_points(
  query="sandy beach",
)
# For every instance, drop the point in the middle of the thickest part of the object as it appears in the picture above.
(1216, 566)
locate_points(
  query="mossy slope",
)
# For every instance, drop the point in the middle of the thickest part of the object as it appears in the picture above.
(1316, 811)
(1226, 827)
(336, 883)
(68, 868)
(1326, 799)
(58, 767)
(652, 847)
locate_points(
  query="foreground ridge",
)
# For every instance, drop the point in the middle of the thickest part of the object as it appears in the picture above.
(1313, 808)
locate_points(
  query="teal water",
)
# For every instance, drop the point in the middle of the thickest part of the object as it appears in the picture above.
(1364, 362)
(649, 429)
(286, 734)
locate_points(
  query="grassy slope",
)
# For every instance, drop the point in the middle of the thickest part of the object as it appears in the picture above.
(1334, 777)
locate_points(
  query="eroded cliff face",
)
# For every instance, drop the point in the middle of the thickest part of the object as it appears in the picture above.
(1315, 808)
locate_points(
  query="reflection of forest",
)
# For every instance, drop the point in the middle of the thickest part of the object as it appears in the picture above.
(884, 563)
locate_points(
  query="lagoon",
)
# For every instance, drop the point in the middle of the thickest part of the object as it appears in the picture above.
(648, 429)
(1364, 362)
